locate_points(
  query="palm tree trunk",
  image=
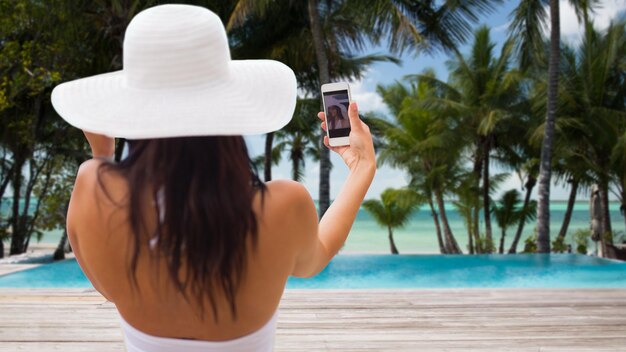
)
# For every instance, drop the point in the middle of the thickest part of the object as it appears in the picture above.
(606, 216)
(501, 249)
(599, 215)
(433, 213)
(568, 212)
(392, 244)
(295, 168)
(3, 187)
(477, 170)
(17, 238)
(530, 184)
(322, 64)
(267, 160)
(543, 208)
(623, 210)
(24, 218)
(43, 192)
(5, 181)
(622, 207)
(595, 214)
(470, 239)
(476, 232)
(486, 200)
(452, 247)
(59, 252)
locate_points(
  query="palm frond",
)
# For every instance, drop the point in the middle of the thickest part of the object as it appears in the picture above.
(528, 22)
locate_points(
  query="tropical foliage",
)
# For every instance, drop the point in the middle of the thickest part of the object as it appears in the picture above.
(423, 143)
(393, 210)
(493, 111)
(532, 107)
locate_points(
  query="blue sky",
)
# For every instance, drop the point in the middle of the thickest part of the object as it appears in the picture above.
(364, 92)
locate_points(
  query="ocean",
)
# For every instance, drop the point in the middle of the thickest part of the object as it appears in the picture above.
(419, 235)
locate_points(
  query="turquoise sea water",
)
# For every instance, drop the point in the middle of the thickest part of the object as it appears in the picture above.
(350, 271)
(419, 235)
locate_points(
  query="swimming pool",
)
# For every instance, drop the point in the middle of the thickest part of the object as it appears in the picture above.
(406, 271)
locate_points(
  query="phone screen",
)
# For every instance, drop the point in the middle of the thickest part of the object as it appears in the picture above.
(337, 121)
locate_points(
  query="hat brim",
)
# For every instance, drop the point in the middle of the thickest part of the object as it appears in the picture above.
(259, 97)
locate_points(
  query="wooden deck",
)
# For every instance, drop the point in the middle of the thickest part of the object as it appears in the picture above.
(354, 320)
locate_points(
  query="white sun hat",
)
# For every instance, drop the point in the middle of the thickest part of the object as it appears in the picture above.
(178, 80)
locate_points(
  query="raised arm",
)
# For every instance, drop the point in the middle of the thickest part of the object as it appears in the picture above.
(324, 241)
(101, 146)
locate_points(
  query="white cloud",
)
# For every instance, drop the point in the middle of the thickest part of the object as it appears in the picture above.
(503, 27)
(364, 93)
(572, 30)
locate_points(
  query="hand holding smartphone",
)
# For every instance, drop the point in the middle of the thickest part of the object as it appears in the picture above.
(336, 99)
(351, 140)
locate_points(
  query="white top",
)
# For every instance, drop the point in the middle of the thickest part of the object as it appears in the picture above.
(261, 340)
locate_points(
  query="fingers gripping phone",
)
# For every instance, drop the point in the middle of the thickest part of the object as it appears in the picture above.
(336, 99)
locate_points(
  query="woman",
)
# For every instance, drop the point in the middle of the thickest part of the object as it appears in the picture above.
(336, 118)
(183, 238)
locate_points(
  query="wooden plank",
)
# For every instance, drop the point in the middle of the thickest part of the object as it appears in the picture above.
(63, 346)
(549, 320)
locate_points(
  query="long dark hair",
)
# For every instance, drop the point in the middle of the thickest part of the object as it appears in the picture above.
(208, 184)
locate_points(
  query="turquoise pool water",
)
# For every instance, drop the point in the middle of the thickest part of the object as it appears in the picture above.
(407, 271)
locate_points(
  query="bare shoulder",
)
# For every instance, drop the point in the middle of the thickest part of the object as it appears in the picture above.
(291, 211)
(290, 196)
(86, 179)
(94, 195)
(288, 188)
(93, 183)
(87, 171)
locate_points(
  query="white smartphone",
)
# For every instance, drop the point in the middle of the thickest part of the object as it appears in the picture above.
(336, 99)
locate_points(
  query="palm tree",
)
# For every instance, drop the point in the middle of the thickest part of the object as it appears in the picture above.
(277, 31)
(319, 43)
(602, 109)
(485, 92)
(425, 144)
(531, 170)
(543, 210)
(618, 163)
(299, 137)
(529, 18)
(591, 113)
(415, 25)
(467, 204)
(568, 167)
(393, 210)
(507, 213)
(420, 25)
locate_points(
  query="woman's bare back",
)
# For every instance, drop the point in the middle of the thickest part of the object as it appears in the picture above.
(102, 240)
